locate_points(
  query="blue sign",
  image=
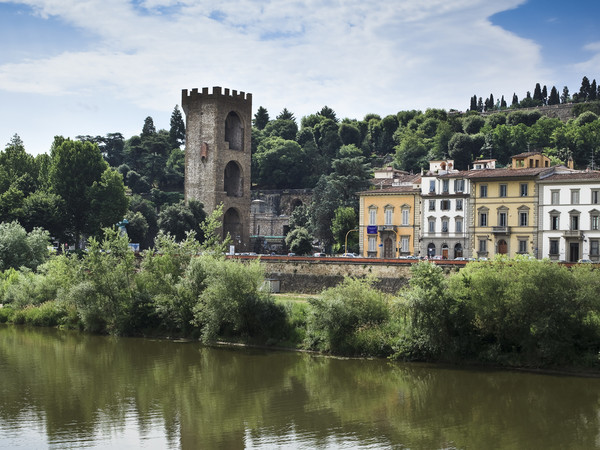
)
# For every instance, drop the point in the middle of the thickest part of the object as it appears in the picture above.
(372, 229)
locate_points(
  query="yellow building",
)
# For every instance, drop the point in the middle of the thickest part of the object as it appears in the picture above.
(504, 206)
(389, 219)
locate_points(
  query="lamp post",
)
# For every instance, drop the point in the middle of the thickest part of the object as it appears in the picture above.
(346, 240)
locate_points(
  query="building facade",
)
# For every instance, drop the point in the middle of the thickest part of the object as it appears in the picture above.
(569, 220)
(389, 221)
(445, 207)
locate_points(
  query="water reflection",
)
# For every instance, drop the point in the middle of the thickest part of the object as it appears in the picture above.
(65, 389)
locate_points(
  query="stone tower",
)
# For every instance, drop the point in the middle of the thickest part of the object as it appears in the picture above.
(218, 156)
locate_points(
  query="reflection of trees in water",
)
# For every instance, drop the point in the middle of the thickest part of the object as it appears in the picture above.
(221, 397)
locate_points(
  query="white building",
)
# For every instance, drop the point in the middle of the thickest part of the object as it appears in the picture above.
(569, 219)
(444, 210)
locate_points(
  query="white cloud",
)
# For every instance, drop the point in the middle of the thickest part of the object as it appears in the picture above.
(355, 56)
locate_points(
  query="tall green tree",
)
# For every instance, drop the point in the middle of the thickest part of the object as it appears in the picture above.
(75, 167)
(177, 129)
(261, 118)
(108, 200)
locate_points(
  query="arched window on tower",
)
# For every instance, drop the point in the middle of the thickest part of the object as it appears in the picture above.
(233, 180)
(234, 131)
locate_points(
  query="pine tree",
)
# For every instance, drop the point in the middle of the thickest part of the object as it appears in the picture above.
(593, 90)
(537, 92)
(177, 130)
(148, 128)
(261, 118)
(473, 106)
(502, 103)
(554, 98)
(515, 100)
(545, 95)
(584, 90)
(286, 115)
(480, 105)
(491, 102)
(565, 98)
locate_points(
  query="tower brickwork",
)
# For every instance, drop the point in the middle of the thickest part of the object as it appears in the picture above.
(218, 156)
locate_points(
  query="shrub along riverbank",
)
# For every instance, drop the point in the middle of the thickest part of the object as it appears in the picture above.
(517, 312)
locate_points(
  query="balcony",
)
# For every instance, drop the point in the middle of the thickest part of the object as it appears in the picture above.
(381, 228)
(501, 230)
(577, 234)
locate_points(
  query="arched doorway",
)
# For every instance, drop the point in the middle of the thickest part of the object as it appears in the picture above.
(232, 225)
(444, 251)
(431, 250)
(502, 247)
(234, 132)
(232, 180)
(388, 248)
(458, 251)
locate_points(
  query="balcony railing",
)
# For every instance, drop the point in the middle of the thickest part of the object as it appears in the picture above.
(573, 234)
(501, 230)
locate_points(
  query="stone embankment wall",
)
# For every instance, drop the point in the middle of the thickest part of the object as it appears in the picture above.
(564, 111)
(311, 277)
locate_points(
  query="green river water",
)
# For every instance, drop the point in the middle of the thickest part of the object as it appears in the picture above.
(63, 389)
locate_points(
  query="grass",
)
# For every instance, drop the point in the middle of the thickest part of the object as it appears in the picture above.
(292, 297)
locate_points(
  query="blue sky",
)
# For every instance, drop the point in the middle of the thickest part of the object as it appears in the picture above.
(71, 67)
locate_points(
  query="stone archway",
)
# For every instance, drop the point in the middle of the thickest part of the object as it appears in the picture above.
(232, 225)
(232, 180)
(458, 250)
(234, 131)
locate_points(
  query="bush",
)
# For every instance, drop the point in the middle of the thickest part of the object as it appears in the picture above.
(233, 303)
(19, 248)
(338, 321)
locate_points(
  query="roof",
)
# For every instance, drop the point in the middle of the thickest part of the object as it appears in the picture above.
(527, 154)
(593, 175)
(391, 190)
(507, 173)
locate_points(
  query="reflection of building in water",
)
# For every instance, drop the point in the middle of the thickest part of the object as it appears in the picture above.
(270, 217)
(218, 155)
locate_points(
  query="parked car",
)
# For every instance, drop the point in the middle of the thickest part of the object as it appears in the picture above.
(585, 261)
(320, 255)
(349, 255)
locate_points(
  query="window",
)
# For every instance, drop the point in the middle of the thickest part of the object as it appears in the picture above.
(594, 247)
(372, 216)
(372, 243)
(501, 219)
(432, 225)
(554, 246)
(405, 216)
(522, 245)
(503, 190)
(389, 216)
(555, 222)
(445, 185)
(575, 196)
(483, 219)
(431, 205)
(459, 225)
(524, 189)
(445, 205)
(444, 225)
(574, 222)
(555, 197)
(482, 245)
(523, 219)
(483, 191)
(459, 185)
(594, 222)
(459, 204)
(404, 244)
(431, 185)
(595, 196)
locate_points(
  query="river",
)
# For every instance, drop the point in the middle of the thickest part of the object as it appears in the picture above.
(64, 389)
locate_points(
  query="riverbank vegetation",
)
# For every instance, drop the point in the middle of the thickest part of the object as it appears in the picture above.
(513, 312)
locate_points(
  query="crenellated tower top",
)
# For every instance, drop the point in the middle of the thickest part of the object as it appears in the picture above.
(217, 92)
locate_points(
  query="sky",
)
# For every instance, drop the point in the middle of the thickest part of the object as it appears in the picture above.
(92, 67)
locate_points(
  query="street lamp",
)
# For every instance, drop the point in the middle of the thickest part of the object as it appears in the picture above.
(346, 241)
